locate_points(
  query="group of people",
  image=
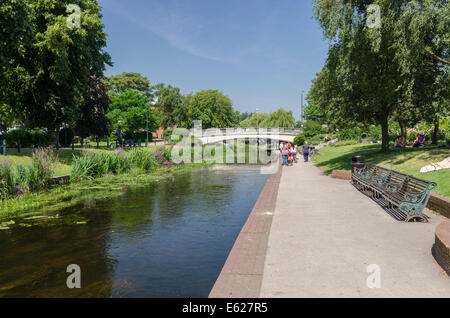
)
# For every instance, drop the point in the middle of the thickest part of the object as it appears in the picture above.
(289, 153)
(420, 139)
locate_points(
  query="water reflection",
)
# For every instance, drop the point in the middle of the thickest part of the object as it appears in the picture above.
(169, 239)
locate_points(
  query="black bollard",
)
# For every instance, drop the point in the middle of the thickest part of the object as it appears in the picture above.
(39, 143)
(107, 143)
(73, 145)
(57, 144)
(18, 146)
(98, 143)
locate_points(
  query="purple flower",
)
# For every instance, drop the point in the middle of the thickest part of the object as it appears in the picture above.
(121, 152)
(6, 163)
(18, 191)
(159, 156)
(168, 164)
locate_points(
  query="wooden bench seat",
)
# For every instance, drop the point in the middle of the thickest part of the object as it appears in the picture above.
(403, 193)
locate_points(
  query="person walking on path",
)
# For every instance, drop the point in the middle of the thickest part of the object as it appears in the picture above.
(284, 154)
(305, 151)
(294, 153)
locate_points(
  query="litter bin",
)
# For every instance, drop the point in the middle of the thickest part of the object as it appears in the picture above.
(357, 162)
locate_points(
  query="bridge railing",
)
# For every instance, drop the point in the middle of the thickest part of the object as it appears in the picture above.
(248, 130)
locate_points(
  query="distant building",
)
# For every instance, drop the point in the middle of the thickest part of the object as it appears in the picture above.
(159, 133)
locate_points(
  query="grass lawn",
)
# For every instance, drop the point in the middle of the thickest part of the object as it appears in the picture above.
(405, 160)
(24, 157)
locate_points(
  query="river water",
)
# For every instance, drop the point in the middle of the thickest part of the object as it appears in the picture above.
(168, 239)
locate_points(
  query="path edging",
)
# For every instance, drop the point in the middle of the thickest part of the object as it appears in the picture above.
(241, 275)
(442, 245)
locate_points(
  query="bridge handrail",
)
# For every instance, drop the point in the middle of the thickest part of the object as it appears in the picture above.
(251, 130)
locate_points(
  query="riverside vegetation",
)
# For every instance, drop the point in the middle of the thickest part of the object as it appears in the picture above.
(94, 175)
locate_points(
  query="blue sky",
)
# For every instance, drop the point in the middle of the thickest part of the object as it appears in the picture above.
(260, 53)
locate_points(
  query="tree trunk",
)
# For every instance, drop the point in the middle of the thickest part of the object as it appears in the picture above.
(403, 136)
(436, 131)
(384, 133)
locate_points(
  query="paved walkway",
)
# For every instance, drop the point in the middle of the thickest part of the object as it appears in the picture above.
(325, 233)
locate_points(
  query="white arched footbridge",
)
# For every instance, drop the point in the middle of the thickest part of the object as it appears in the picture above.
(213, 135)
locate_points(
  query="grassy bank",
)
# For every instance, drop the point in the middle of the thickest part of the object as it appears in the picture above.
(405, 160)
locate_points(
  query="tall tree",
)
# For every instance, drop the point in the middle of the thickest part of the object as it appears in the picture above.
(129, 80)
(54, 64)
(280, 118)
(255, 120)
(16, 37)
(377, 68)
(130, 110)
(170, 105)
(213, 108)
(92, 120)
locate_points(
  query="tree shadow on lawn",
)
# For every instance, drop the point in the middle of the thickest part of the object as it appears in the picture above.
(373, 154)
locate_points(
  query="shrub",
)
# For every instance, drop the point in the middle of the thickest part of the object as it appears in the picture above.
(374, 132)
(300, 139)
(43, 163)
(40, 135)
(167, 152)
(84, 167)
(12, 138)
(411, 136)
(159, 155)
(7, 178)
(345, 143)
(143, 160)
(167, 134)
(351, 133)
(62, 136)
(91, 165)
(313, 128)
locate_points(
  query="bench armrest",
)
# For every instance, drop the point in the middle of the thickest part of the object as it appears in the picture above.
(414, 197)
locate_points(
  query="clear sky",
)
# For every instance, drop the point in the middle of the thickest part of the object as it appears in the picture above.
(260, 53)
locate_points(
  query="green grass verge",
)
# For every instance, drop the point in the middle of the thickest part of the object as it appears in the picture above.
(405, 160)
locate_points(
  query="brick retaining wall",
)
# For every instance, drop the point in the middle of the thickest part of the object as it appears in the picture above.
(442, 245)
(241, 276)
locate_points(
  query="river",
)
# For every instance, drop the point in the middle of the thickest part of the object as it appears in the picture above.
(168, 239)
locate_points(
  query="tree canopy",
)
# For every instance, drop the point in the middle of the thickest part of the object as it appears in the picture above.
(212, 107)
(128, 80)
(46, 64)
(277, 119)
(92, 120)
(129, 110)
(394, 70)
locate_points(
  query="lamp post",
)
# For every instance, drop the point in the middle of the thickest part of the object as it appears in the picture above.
(146, 128)
(301, 113)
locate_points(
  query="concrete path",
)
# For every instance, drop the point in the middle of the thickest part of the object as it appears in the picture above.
(325, 233)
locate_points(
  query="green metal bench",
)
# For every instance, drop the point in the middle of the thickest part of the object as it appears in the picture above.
(403, 193)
